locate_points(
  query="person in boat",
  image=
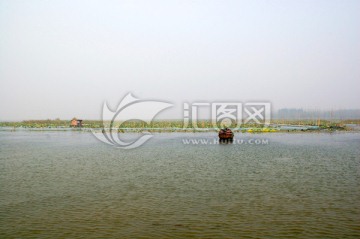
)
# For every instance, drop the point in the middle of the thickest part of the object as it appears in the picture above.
(224, 130)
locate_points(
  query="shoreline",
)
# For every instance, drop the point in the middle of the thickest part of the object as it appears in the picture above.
(251, 130)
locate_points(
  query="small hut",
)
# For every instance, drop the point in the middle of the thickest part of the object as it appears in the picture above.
(76, 122)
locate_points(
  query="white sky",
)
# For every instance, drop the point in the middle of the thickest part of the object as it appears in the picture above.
(65, 58)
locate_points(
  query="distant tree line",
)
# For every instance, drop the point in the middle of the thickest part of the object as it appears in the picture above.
(301, 114)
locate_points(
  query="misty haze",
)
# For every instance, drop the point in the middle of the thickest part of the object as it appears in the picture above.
(179, 119)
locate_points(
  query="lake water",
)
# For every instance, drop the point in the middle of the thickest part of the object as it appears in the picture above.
(69, 185)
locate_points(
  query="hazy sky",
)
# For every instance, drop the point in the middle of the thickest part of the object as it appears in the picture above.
(65, 58)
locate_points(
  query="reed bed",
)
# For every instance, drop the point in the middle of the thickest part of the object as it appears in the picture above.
(170, 124)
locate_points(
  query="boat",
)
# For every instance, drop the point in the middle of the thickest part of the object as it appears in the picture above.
(226, 135)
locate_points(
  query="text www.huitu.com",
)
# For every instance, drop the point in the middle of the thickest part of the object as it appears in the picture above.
(216, 141)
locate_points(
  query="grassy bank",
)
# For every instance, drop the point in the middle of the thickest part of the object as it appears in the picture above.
(177, 124)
